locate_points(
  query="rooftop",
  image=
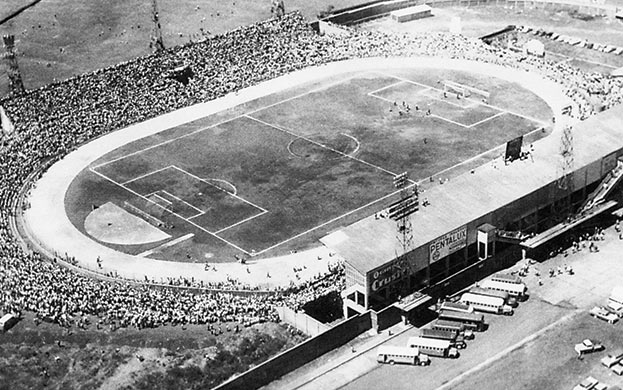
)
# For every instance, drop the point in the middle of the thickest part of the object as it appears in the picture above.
(371, 242)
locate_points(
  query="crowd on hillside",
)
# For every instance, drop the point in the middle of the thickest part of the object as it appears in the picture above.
(53, 120)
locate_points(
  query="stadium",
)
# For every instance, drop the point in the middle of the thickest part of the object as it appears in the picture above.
(334, 178)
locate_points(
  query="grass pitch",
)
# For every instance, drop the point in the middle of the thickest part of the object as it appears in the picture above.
(279, 172)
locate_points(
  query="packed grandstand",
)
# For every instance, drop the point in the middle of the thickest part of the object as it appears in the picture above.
(52, 121)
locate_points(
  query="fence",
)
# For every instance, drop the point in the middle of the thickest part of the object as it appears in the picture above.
(299, 355)
(301, 321)
(376, 9)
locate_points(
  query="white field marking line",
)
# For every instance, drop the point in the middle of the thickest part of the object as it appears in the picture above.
(434, 115)
(143, 176)
(290, 149)
(581, 59)
(228, 183)
(479, 102)
(450, 121)
(167, 244)
(319, 144)
(182, 200)
(382, 98)
(474, 158)
(219, 188)
(486, 119)
(172, 212)
(506, 351)
(243, 221)
(447, 100)
(166, 200)
(385, 87)
(596, 63)
(333, 220)
(314, 90)
(356, 141)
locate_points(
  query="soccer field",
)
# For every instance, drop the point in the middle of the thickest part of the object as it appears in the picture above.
(277, 173)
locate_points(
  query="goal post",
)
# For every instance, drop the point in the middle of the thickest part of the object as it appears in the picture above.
(464, 90)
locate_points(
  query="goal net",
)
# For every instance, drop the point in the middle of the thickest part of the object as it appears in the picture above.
(154, 209)
(464, 90)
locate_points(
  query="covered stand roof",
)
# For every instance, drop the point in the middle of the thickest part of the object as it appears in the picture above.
(371, 242)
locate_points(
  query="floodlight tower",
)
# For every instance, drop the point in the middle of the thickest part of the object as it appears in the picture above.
(158, 44)
(401, 210)
(15, 77)
(565, 183)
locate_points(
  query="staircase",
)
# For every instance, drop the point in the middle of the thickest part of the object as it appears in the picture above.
(605, 187)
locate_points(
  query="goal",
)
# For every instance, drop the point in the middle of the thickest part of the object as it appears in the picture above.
(464, 90)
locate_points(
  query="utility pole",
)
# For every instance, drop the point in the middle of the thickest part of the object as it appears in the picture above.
(157, 43)
(15, 76)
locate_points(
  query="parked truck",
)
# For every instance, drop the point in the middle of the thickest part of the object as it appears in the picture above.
(456, 339)
(391, 354)
(473, 321)
(433, 347)
(456, 306)
(454, 326)
(488, 304)
(517, 290)
(508, 299)
(506, 278)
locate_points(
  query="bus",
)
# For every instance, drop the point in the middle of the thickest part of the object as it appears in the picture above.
(454, 326)
(433, 347)
(517, 290)
(391, 354)
(506, 278)
(455, 306)
(511, 301)
(495, 305)
(473, 321)
(456, 339)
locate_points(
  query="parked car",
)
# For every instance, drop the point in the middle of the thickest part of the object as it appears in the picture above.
(588, 346)
(612, 358)
(603, 314)
(617, 369)
(615, 308)
(600, 386)
(587, 384)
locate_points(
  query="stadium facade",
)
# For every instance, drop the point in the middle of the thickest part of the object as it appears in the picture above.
(497, 210)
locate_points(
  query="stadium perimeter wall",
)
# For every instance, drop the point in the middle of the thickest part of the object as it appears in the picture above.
(377, 9)
(299, 355)
(301, 321)
(368, 11)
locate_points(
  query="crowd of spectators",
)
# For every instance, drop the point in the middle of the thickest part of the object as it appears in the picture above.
(53, 120)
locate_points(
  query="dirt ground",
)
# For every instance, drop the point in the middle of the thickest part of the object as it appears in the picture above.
(45, 355)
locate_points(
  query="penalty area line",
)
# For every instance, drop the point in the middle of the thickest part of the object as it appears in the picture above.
(219, 188)
(172, 212)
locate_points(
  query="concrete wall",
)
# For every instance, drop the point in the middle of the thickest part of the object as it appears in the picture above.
(385, 318)
(299, 355)
(368, 11)
(375, 9)
(301, 321)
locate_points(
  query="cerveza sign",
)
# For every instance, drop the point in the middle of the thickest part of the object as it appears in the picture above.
(448, 243)
(393, 271)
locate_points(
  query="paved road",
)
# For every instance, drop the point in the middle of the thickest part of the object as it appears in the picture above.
(557, 303)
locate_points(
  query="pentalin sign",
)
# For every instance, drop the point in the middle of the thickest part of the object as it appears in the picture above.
(448, 243)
